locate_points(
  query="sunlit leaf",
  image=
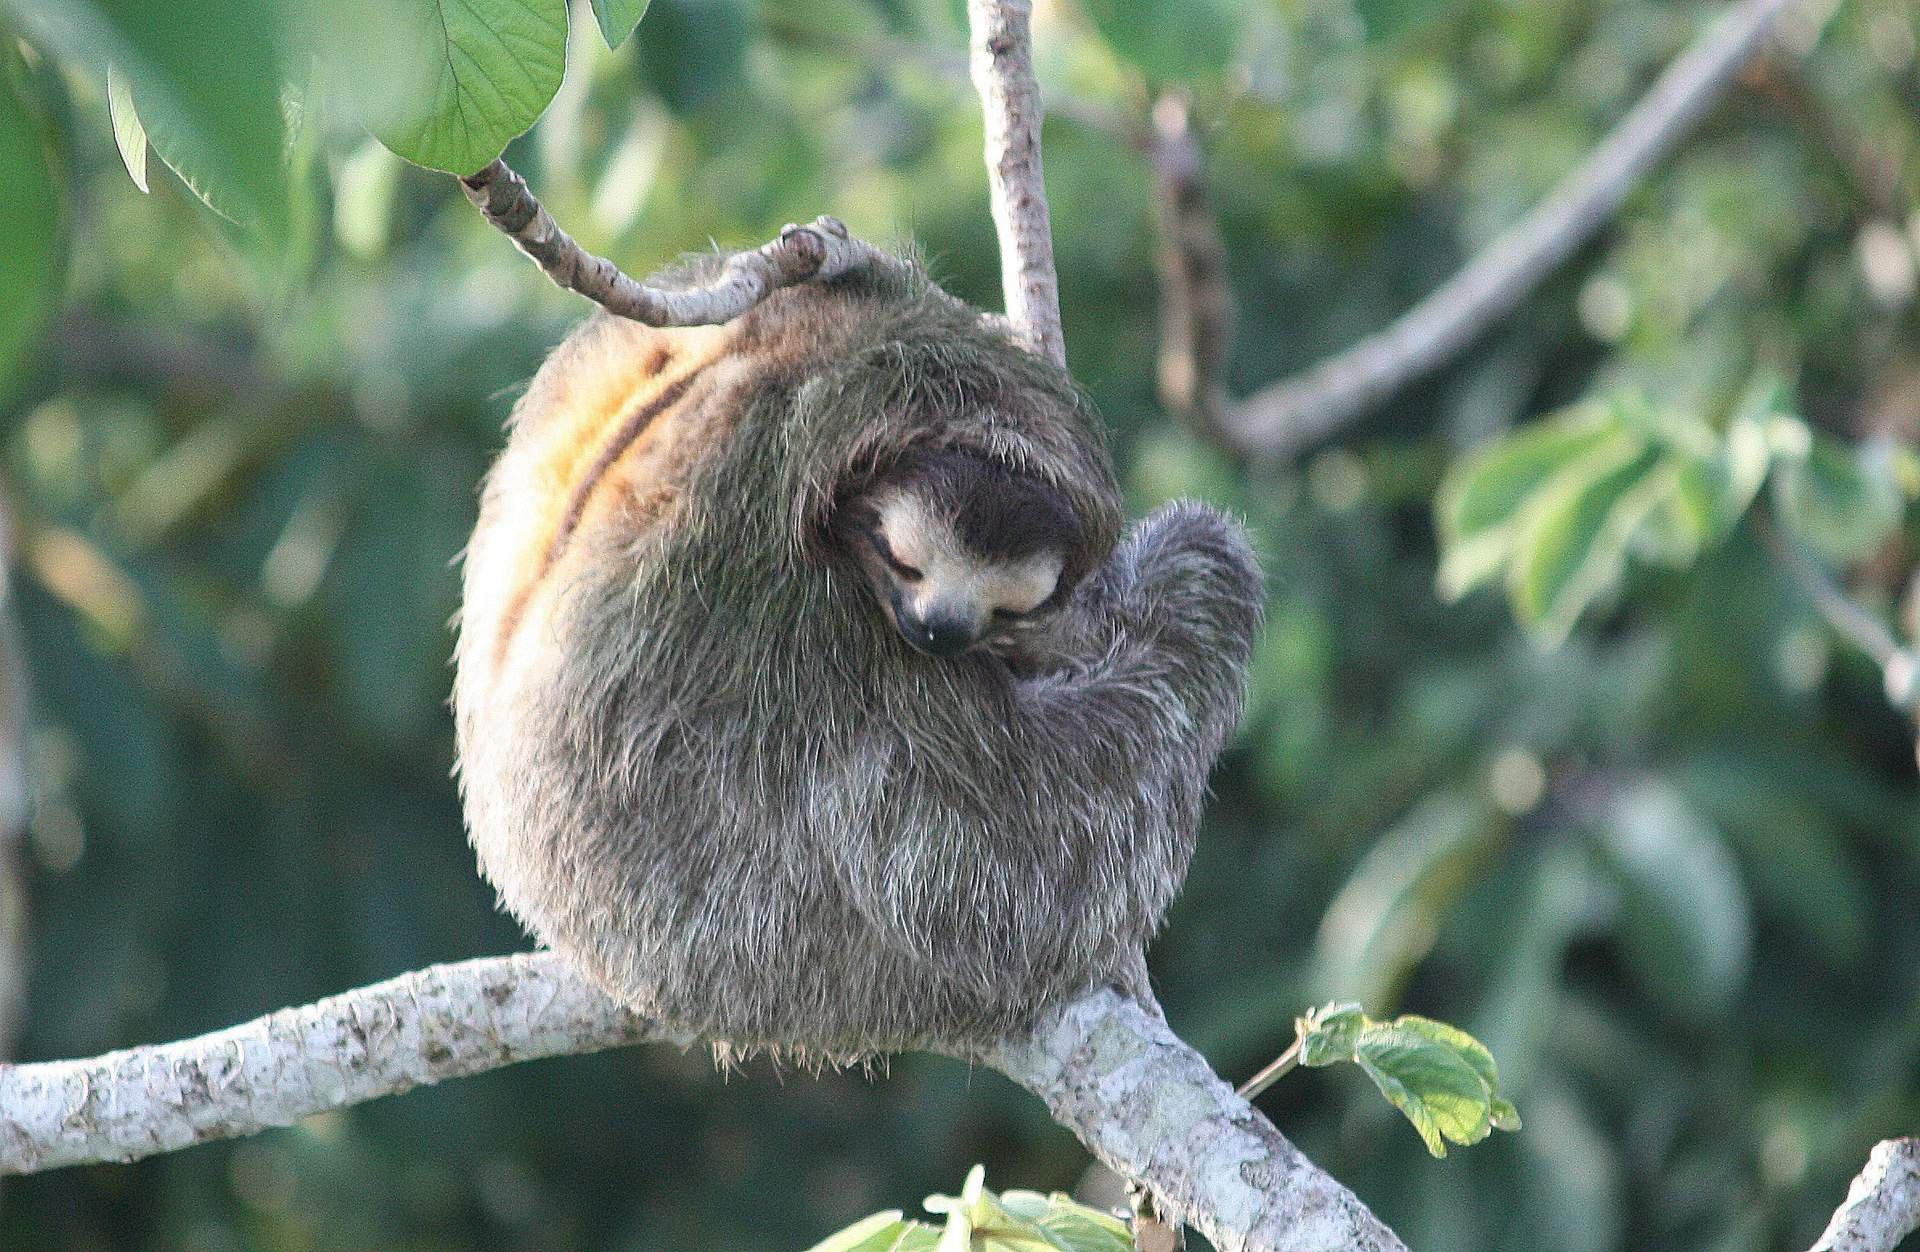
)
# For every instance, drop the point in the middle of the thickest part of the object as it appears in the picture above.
(1575, 543)
(1482, 498)
(1329, 1034)
(1169, 42)
(1438, 1090)
(879, 1233)
(129, 136)
(617, 18)
(32, 218)
(448, 83)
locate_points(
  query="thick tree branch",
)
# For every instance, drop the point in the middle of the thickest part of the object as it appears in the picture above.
(437, 1023)
(1882, 1205)
(1111, 1071)
(1285, 418)
(1002, 64)
(820, 250)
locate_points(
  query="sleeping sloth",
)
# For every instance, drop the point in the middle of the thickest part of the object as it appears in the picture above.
(807, 696)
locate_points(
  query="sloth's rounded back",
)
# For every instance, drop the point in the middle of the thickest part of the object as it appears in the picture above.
(694, 756)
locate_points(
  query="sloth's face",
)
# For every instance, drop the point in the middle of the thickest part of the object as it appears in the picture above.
(942, 596)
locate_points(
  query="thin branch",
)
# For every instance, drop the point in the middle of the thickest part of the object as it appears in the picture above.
(1111, 1071)
(1001, 61)
(1848, 618)
(818, 251)
(1196, 302)
(1882, 1205)
(1287, 417)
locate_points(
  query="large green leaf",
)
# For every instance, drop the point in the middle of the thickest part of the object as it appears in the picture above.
(1685, 921)
(1169, 42)
(617, 18)
(208, 76)
(32, 217)
(448, 83)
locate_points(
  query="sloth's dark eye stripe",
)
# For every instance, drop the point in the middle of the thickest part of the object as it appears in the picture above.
(885, 549)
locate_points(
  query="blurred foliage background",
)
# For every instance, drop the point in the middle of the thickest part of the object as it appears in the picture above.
(1668, 870)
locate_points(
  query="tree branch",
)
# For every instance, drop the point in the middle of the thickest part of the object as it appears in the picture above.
(1111, 1071)
(1285, 418)
(441, 1022)
(1196, 302)
(820, 250)
(1001, 61)
(1882, 1205)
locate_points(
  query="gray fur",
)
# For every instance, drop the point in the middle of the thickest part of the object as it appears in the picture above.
(727, 788)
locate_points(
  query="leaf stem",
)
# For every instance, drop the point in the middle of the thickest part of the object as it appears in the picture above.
(1281, 1066)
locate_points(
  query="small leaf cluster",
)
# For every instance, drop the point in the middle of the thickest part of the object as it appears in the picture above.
(1441, 1077)
(977, 1220)
(1557, 508)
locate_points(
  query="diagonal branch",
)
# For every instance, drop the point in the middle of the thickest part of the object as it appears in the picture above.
(820, 250)
(1882, 1205)
(1001, 62)
(1111, 1071)
(1285, 418)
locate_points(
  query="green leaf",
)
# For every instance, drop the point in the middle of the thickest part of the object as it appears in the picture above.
(448, 83)
(617, 18)
(1384, 919)
(1390, 19)
(32, 218)
(1685, 920)
(1439, 1091)
(1329, 1034)
(128, 134)
(1844, 500)
(1169, 42)
(878, 1233)
(1574, 545)
(208, 77)
(1475, 1054)
(1483, 496)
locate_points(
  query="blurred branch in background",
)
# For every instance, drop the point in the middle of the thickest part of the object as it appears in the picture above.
(1899, 667)
(1882, 1205)
(13, 807)
(1196, 303)
(1287, 417)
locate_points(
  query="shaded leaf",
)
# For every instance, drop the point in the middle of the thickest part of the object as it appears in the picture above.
(1169, 42)
(32, 218)
(1685, 919)
(617, 18)
(1843, 500)
(1329, 1034)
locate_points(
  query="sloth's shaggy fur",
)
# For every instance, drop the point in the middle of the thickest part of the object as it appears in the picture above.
(698, 760)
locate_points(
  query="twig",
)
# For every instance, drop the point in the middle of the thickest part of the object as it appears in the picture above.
(1285, 418)
(1196, 302)
(14, 933)
(1273, 1072)
(1898, 668)
(1882, 1205)
(821, 250)
(1111, 1071)
(1001, 61)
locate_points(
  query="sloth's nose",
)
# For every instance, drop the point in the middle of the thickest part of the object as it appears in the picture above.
(937, 636)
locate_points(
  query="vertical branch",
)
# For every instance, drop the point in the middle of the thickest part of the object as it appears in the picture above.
(1196, 304)
(13, 811)
(1001, 61)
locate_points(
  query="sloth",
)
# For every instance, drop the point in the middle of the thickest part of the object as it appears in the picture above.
(808, 697)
